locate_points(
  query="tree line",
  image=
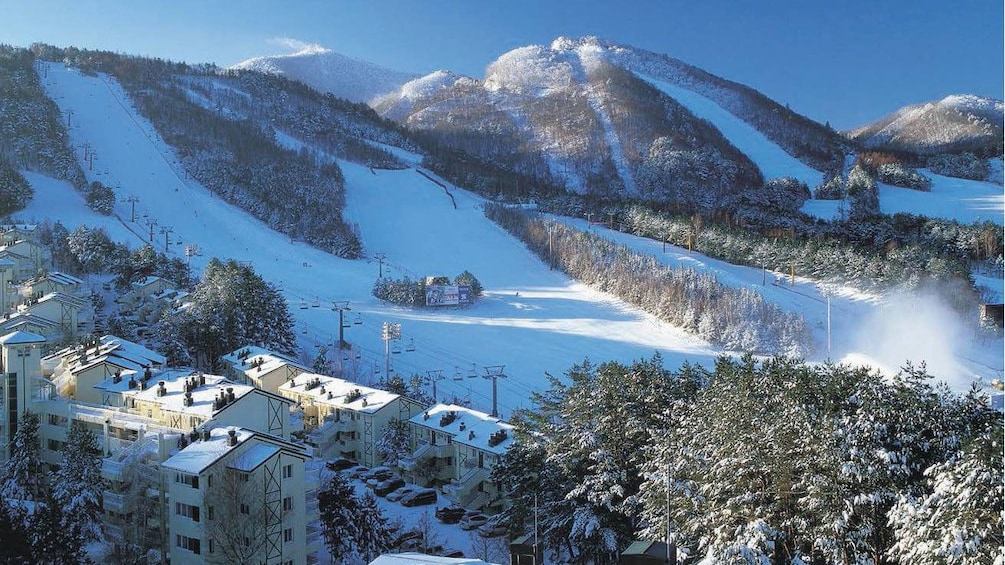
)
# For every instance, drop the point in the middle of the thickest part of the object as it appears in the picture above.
(737, 319)
(772, 462)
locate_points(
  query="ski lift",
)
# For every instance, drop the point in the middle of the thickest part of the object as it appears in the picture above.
(411, 345)
(345, 356)
(376, 369)
(303, 304)
(358, 355)
(303, 331)
(317, 302)
(396, 348)
(358, 320)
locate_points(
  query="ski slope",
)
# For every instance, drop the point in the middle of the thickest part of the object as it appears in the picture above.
(773, 161)
(530, 321)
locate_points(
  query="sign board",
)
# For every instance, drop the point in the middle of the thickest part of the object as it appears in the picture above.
(447, 295)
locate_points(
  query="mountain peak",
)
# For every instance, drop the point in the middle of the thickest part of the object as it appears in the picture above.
(331, 72)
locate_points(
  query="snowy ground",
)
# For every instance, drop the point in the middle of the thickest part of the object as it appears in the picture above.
(531, 320)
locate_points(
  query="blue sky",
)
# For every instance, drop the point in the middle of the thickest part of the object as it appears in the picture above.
(846, 62)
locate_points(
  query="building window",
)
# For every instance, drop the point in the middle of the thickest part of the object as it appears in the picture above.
(191, 544)
(54, 445)
(287, 504)
(186, 479)
(287, 535)
(187, 510)
(287, 471)
(209, 516)
(245, 509)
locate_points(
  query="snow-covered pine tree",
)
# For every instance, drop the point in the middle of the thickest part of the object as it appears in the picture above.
(23, 479)
(77, 486)
(394, 443)
(959, 520)
(374, 531)
(338, 508)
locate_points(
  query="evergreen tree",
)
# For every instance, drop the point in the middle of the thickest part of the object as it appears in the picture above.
(23, 478)
(338, 506)
(373, 530)
(231, 307)
(352, 526)
(959, 520)
(100, 198)
(77, 486)
(15, 544)
(394, 443)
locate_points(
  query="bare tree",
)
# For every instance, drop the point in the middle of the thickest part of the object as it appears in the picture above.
(236, 518)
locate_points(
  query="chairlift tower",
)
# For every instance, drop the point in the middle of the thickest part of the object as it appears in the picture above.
(494, 372)
(341, 306)
(151, 223)
(434, 376)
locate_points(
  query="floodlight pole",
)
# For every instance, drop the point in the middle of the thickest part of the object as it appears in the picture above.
(388, 332)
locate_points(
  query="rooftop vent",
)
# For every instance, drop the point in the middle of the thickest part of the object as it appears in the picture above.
(231, 438)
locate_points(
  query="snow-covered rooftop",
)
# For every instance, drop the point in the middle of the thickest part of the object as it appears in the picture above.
(205, 397)
(118, 351)
(16, 338)
(460, 422)
(201, 453)
(334, 391)
(252, 360)
(57, 277)
(253, 457)
(491, 436)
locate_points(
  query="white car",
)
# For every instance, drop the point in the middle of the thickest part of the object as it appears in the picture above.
(396, 495)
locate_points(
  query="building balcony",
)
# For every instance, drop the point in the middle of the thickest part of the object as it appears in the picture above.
(457, 489)
(425, 451)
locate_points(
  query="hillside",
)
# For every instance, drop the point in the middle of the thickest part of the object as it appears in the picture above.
(532, 320)
(329, 72)
(951, 125)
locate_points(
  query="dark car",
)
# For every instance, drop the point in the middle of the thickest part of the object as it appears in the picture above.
(383, 488)
(420, 497)
(450, 514)
(339, 464)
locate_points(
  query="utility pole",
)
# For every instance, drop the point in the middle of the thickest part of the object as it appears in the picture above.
(380, 260)
(151, 223)
(132, 200)
(494, 372)
(828, 326)
(341, 306)
(434, 376)
(166, 230)
(69, 114)
(388, 332)
(551, 248)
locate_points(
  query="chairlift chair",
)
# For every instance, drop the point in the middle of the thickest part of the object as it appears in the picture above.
(317, 302)
(396, 348)
(411, 345)
(358, 320)
(303, 304)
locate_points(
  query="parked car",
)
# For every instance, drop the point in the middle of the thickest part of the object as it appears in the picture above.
(379, 473)
(473, 520)
(495, 527)
(340, 464)
(420, 497)
(408, 541)
(397, 495)
(450, 514)
(356, 472)
(451, 552)
(385, 487)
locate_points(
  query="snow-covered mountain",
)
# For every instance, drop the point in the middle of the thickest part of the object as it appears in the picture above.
(601, 118)
(327, 71)
(956, 123)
